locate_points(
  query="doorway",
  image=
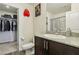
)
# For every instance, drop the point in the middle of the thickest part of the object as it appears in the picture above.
(8, 24)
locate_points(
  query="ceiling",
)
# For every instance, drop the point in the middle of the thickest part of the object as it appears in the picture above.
(51, 7)
(10, 9)
(58, 7)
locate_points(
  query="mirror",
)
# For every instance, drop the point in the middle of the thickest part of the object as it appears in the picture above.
(56, 17)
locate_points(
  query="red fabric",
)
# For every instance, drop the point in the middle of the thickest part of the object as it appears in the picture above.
(26, 13)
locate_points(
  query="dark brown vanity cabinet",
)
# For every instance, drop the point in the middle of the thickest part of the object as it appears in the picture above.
(48, 47)
(41, 46)
(56, 48)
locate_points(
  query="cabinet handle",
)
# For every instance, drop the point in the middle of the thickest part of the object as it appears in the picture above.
(46, 45)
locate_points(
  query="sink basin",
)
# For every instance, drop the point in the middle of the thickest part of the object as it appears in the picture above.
(28, 46)
(55, 36)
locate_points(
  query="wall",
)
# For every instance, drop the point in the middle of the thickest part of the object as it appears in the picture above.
(49, 15)
(72, 18)
(73, 15)
(56, 8)
(40, 21)
(25, 23)
(72, 21)
(75, 6)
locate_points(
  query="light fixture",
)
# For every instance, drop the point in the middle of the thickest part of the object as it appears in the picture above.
(7, 6)
(26, 12)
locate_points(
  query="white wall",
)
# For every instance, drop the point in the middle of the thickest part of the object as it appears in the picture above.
(40, 21)
(72, 18)
(25, 23)
(72, 21)
(49, 15)
(75, 6)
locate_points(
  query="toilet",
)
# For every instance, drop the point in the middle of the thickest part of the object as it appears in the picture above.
(29, 48)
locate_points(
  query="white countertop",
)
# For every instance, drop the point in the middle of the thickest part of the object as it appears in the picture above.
(6, 48)
(72, 41)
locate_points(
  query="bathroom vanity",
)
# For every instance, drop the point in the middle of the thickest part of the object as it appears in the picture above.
(67, 25)
(51, 46)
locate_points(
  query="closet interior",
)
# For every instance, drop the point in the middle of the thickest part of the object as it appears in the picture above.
(8, 24)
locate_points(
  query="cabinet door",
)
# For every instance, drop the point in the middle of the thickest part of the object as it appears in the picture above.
(55, 48)
(39, 46)
(70, 50)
